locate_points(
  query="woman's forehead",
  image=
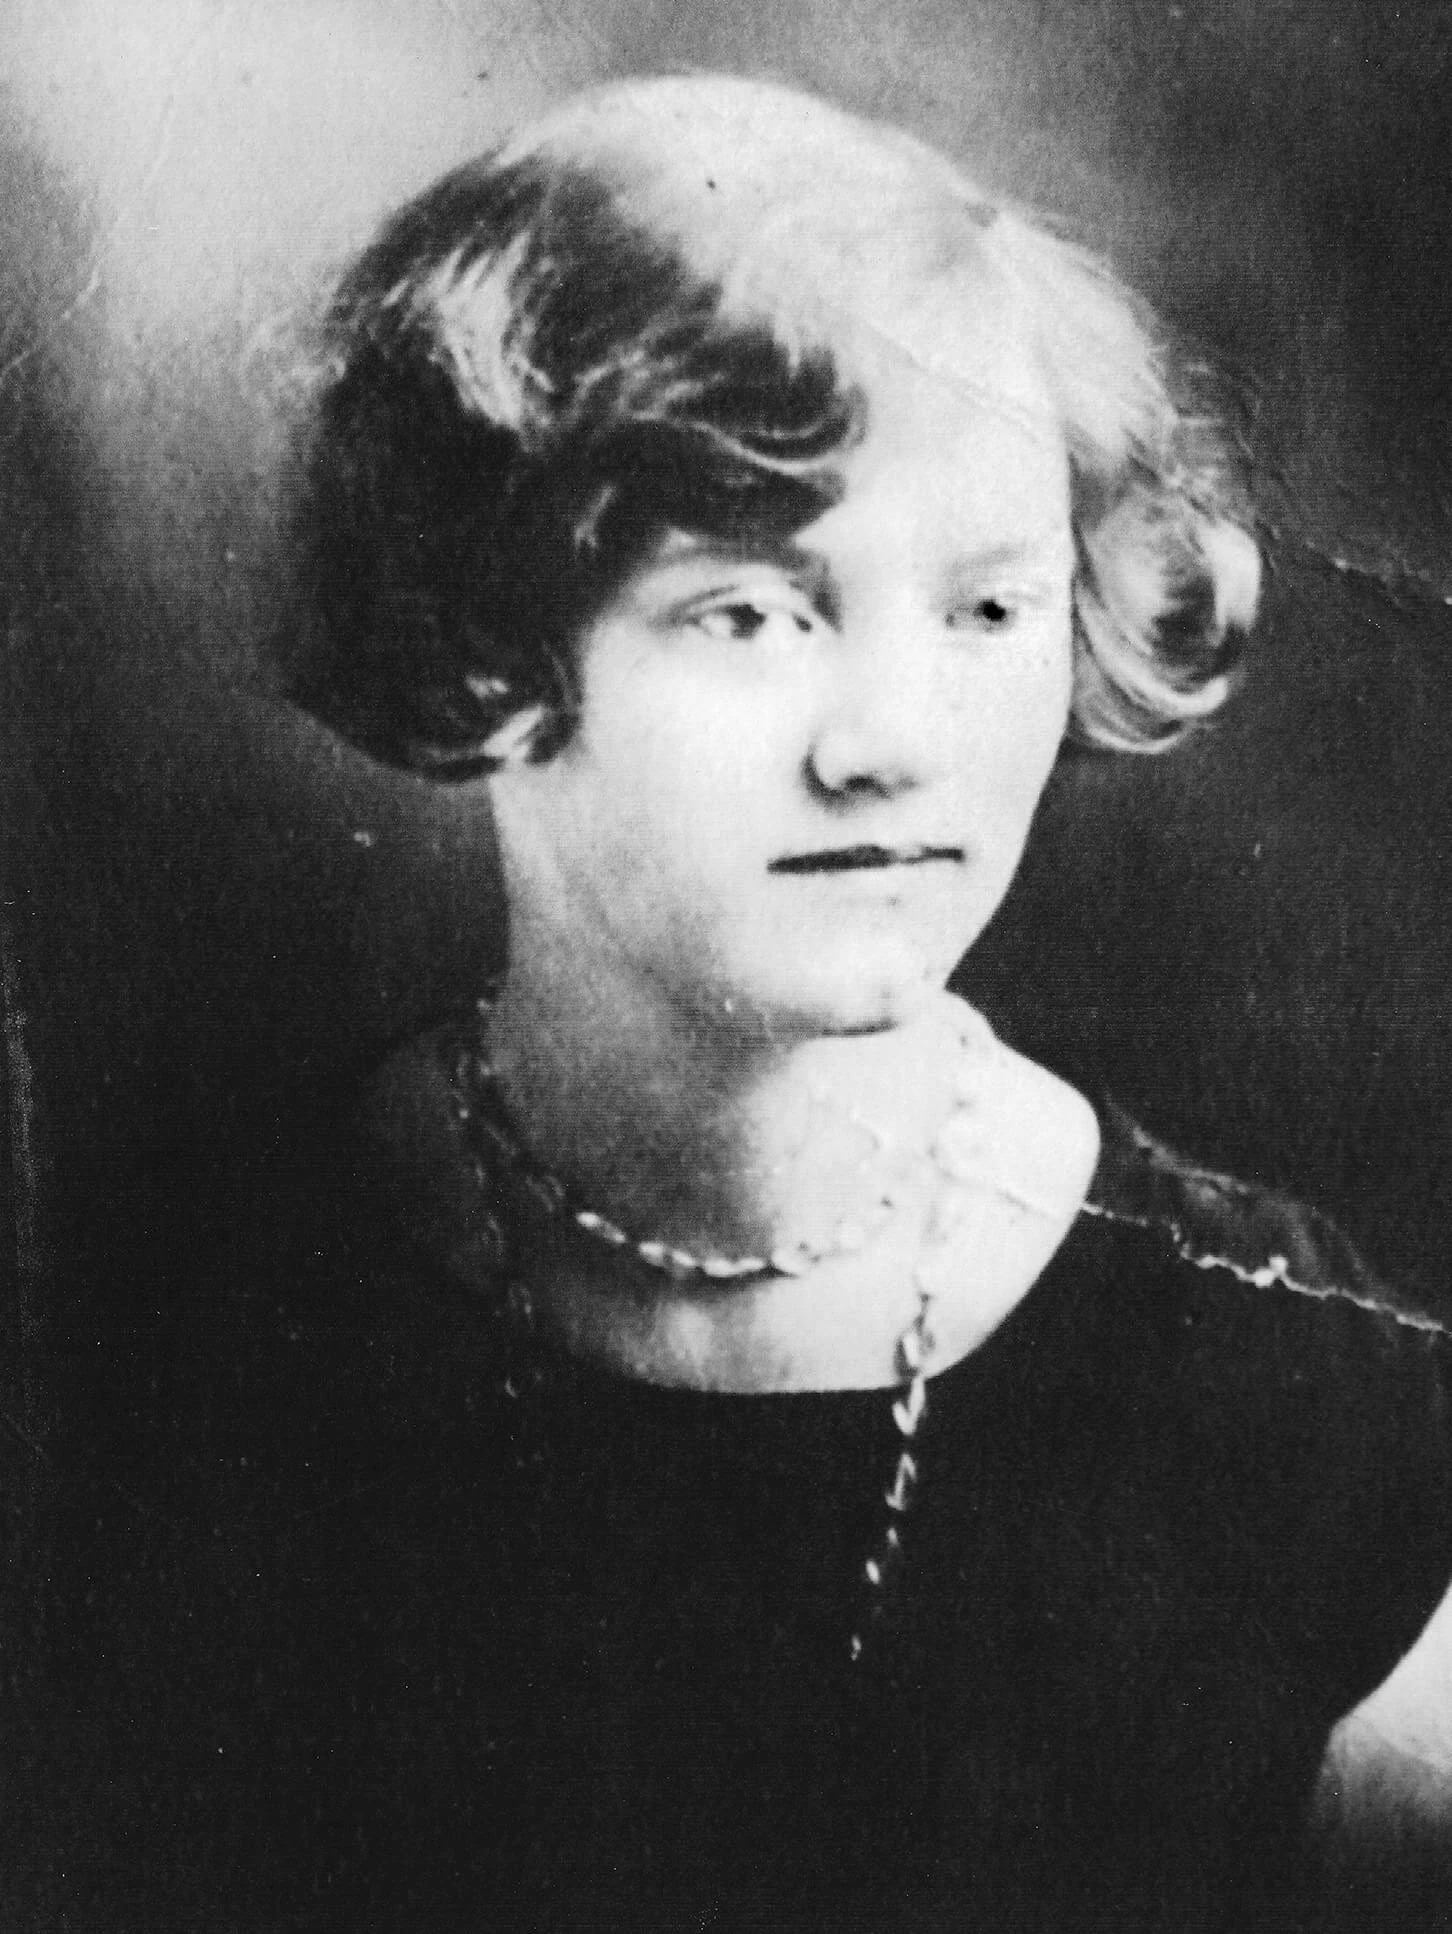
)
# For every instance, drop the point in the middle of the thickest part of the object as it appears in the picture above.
(961, 474)
(939, 375)
(956, 467)
(956, 429)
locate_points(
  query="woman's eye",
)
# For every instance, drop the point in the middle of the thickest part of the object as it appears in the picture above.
(987, 614)
(744, 619)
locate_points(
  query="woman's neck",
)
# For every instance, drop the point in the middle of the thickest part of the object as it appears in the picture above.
(716, 1142)
(922, 1175)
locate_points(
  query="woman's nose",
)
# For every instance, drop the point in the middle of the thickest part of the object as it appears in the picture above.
(889, 719)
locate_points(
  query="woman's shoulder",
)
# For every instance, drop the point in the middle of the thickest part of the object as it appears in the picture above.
(1293, 1404)
(1241, 1235)
(1270, 1344)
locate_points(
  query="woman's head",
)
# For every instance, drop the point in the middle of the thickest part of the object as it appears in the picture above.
(802, 771)
(664, 309)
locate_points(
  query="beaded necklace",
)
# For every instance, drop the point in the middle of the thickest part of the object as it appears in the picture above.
(952, 1160)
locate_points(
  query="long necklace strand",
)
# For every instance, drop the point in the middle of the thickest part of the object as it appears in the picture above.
(953, 1159)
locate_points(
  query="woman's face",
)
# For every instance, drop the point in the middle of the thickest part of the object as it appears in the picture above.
(802, 778)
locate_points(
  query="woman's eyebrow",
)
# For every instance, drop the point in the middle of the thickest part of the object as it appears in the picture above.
(807, 568)
(1047, 547)
(784, 553)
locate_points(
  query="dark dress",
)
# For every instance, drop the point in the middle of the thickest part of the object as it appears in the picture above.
(426, 1626)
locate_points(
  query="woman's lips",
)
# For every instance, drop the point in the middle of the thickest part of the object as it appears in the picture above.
(851, 859)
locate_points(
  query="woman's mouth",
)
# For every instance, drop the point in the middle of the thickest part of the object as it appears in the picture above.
(851, 859)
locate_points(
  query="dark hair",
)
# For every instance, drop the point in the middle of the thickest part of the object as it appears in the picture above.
(630, 318)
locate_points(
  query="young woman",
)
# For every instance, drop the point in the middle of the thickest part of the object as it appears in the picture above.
(771, 1454)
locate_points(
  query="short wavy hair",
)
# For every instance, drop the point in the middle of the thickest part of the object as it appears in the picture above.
(635, 316)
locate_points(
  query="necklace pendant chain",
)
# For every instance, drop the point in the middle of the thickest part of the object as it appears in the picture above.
(915, 1352)
(483, 1115)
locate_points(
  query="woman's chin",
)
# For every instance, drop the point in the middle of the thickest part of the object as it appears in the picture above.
(846, 1003)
